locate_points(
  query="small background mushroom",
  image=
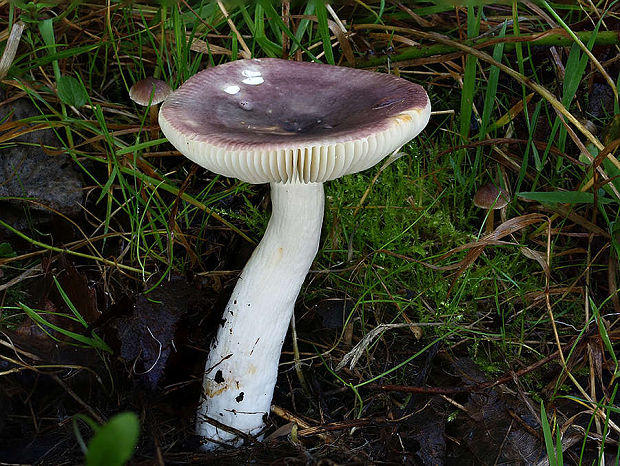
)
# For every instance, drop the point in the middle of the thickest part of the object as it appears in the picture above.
(491, 197)
(150, 92)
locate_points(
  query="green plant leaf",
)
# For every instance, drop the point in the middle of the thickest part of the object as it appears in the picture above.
(71, 91)
(6, 250)
(46, 28)
(114, 442)
(559, 197)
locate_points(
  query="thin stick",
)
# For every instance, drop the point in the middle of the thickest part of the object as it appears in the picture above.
(308, 429)
(246, 51)
(296, 358)
(74, 395)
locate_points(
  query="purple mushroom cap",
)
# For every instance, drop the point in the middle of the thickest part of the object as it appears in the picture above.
(273, 120)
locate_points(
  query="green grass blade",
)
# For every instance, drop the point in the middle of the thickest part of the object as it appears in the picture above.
(559, 197)
(548, 436)
(71, 306)
(606, 427)
(97, 343)
(321, 14)
(491, 92)
(469, 76)
(275, 18)
(604, 336)
(257, 29)
(304, 25)
(559, 458)
(530, 147)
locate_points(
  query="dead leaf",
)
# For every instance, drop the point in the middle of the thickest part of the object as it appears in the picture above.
(537, 256)
(281, 431)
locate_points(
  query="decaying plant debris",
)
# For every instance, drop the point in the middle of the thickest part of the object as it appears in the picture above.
(431, 341)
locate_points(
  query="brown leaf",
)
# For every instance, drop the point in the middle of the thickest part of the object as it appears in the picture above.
(477, 247)
(343, 40)
(281, 431)
(538, 257)
(75, 286)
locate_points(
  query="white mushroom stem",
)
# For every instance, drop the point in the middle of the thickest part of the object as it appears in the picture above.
(242, 366)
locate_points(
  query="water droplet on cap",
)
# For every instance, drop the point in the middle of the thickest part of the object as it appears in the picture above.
(253, 80)
(250, 73)
(232, 90)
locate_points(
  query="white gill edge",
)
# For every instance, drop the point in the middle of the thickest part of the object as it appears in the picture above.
(306, 164)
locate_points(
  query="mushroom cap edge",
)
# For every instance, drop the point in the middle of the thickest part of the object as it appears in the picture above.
(303, 159)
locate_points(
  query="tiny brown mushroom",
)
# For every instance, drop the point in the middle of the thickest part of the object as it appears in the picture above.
(491, 197)
(150, 91)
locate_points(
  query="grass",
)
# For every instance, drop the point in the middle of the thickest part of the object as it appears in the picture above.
(404, 250)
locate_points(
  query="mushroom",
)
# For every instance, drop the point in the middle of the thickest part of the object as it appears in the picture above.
(150, 92)
(294, 125)
(491, 197)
